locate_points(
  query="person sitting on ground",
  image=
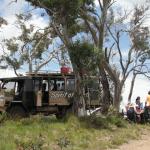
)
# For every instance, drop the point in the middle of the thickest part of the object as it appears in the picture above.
(139, 109)
(130, 111)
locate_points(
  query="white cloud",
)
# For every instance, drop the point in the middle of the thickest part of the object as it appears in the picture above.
(38, 22)
(9, 10)
(6, 73)
(128, 4)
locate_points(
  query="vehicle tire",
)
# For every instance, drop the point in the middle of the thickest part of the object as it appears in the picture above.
(64, 112)
(61, 113)
(59, 116)
(17, 111)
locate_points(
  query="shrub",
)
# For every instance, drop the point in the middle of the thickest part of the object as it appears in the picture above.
(3, 117)
(116, 120)
(63, 142)
(29, 143)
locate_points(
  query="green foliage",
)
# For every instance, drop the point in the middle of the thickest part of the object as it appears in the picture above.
(29, 47)
(12, 61)
(12, 46)
(112, 111)
(64, 13)
(117, 121)
(105, 122)
(3, 118)
(83, 56)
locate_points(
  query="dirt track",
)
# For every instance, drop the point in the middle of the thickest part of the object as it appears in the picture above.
(142, 144)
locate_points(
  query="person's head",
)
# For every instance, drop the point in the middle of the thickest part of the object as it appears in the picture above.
(137, 99)
(148, 92)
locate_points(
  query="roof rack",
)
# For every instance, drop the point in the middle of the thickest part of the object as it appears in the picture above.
(48, 73)
(43, 72)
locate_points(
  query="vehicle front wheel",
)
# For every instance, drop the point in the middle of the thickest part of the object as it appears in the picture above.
(61, 113)
(64, 112)
(17, 111)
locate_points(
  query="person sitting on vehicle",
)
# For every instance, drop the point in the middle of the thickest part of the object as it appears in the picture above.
(139, 109)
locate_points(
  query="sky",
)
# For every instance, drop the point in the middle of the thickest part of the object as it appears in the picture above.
(8, 11)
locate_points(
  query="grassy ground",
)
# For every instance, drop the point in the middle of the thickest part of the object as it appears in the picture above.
(47, 133)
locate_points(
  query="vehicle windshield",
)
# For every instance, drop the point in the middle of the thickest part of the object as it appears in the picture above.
(8, 88)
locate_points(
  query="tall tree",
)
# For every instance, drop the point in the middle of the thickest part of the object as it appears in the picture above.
(30, 48)
(95, 19)
(137, 35)
(67, 19)
(141, 68)
(64, 21)
(2, 22)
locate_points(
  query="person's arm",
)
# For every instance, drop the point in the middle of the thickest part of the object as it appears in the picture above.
(135, 109)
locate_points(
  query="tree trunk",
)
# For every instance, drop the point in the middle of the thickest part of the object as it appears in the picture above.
(106, 99)
(79, 107)
(30, 67)
(131, 87)
(117, 95)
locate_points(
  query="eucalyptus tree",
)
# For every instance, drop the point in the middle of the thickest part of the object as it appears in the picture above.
(68, 18)
(30, 49)
(107, 30)
(2, 22)
(135, 58)
(71, 20)
(64, 22)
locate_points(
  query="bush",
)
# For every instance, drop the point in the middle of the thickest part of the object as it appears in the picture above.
(103, 122)
(63, 142)
(3, 117)
(116, 120)
(29, 143)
